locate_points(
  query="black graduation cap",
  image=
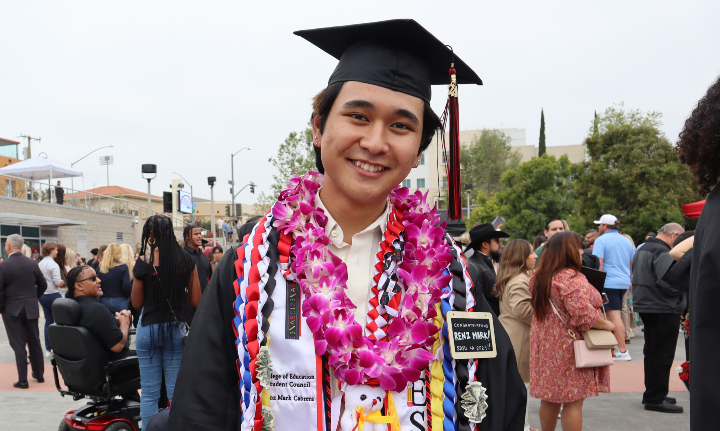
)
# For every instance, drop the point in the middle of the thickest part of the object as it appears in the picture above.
(397, 54)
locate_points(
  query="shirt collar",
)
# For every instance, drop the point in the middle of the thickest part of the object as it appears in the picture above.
(191, 250)
(334, 231)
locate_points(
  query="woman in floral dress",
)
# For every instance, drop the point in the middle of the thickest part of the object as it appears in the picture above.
(553, 375)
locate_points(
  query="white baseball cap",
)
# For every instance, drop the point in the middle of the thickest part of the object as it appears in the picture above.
(607, 219)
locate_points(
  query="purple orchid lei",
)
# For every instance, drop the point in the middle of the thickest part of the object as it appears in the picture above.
(328, 311)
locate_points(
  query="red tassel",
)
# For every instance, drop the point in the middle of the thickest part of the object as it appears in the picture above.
(452, 162)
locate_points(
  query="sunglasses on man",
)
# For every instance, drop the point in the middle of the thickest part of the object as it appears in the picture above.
(93, 278)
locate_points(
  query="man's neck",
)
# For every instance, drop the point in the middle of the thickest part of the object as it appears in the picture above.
(352, 217)
(664, 238)
(193, 246)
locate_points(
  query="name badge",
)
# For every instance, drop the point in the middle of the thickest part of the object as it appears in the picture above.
(292, 310)
(471, 335)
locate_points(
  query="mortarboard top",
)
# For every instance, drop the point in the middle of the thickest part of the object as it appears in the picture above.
(396, 54)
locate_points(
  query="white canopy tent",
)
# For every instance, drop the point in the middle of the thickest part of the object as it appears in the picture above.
(39, 169)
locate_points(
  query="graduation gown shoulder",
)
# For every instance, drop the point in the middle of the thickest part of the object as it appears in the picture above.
(207, 394)
(704, 305)
(506, 391)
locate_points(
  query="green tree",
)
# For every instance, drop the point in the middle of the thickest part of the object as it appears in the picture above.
(539, 189)
(541, 146)
(485, 159)
(486, 209)
(294, 157)
(632, 172)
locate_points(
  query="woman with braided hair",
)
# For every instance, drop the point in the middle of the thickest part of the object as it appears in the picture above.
(699, 148)
(167, 289)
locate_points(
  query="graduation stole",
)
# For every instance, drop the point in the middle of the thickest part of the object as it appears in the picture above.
(415, 266)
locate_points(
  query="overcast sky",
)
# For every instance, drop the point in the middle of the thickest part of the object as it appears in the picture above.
(184, 84)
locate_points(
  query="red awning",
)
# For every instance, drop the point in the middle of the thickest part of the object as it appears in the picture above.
(694, 209)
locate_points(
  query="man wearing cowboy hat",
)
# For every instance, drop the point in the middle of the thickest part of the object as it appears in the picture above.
(485, 241)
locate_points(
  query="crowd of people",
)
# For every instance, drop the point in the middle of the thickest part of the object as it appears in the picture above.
(545, 302)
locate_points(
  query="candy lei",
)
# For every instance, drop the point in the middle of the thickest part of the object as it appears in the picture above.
(359, 358)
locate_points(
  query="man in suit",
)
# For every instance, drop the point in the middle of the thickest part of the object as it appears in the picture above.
(485, 240)
(21, 284)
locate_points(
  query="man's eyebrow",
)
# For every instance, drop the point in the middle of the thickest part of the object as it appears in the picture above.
(408, 115)
(359, 104)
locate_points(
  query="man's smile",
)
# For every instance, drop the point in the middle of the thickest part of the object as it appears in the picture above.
(369, 167)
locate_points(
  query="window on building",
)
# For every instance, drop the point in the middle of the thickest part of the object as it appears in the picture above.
(421, 183)
(8, 188)
(406, 183)
(422, 159)
(445, 157)
(445, 183)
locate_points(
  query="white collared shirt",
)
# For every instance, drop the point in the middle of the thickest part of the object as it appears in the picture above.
(358, 256)
(51, 271)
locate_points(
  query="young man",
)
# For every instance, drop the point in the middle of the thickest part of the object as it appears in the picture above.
(192, 235)
(553, 226)
(307, 325)
(615, 253)
(485, 240)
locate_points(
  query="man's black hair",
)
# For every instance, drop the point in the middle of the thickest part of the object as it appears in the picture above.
(94, 252)
(217, 247)
(683, 236)
(650, 234)
(71, 278)
(187, 231)
(326, 98)
(547, 225)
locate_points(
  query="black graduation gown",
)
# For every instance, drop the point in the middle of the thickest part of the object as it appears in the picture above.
(207, 395)
(704, 305)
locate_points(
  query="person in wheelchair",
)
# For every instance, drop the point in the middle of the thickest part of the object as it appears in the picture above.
(112, 331)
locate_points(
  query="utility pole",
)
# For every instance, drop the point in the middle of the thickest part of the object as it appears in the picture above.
(30, 139)
(211, 183)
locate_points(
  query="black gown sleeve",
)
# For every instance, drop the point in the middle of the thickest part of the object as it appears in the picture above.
(506, 391)
(207, 394)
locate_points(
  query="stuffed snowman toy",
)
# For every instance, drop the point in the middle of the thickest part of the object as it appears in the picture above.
(367, 397)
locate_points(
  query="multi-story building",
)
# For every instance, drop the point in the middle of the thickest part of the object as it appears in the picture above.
(8, 156)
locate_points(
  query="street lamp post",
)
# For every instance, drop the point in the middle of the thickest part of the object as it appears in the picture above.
(148, 170)
(192, 195)
(72, 183)
(468, 187)
(232, 181)
(211, 183)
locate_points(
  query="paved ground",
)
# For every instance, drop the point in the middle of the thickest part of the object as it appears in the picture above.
(41, 408)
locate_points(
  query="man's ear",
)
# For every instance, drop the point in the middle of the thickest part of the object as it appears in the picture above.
(416, 162)
(316, 134)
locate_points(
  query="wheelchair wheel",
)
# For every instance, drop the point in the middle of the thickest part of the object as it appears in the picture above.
(119, 426)
(63, 426)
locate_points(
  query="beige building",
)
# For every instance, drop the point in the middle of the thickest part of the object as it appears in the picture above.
(431, 176)
(125, 201)
(202, 210)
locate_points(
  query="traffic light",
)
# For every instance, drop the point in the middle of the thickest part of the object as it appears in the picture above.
(227, 210)
(252, 188)
(167, 202)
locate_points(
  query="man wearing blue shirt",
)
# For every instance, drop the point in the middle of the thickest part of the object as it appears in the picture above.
(615, 253)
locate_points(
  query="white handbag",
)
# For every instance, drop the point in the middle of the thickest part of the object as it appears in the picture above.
(584, 357)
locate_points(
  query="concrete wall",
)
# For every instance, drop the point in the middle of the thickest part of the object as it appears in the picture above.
(101, 227)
